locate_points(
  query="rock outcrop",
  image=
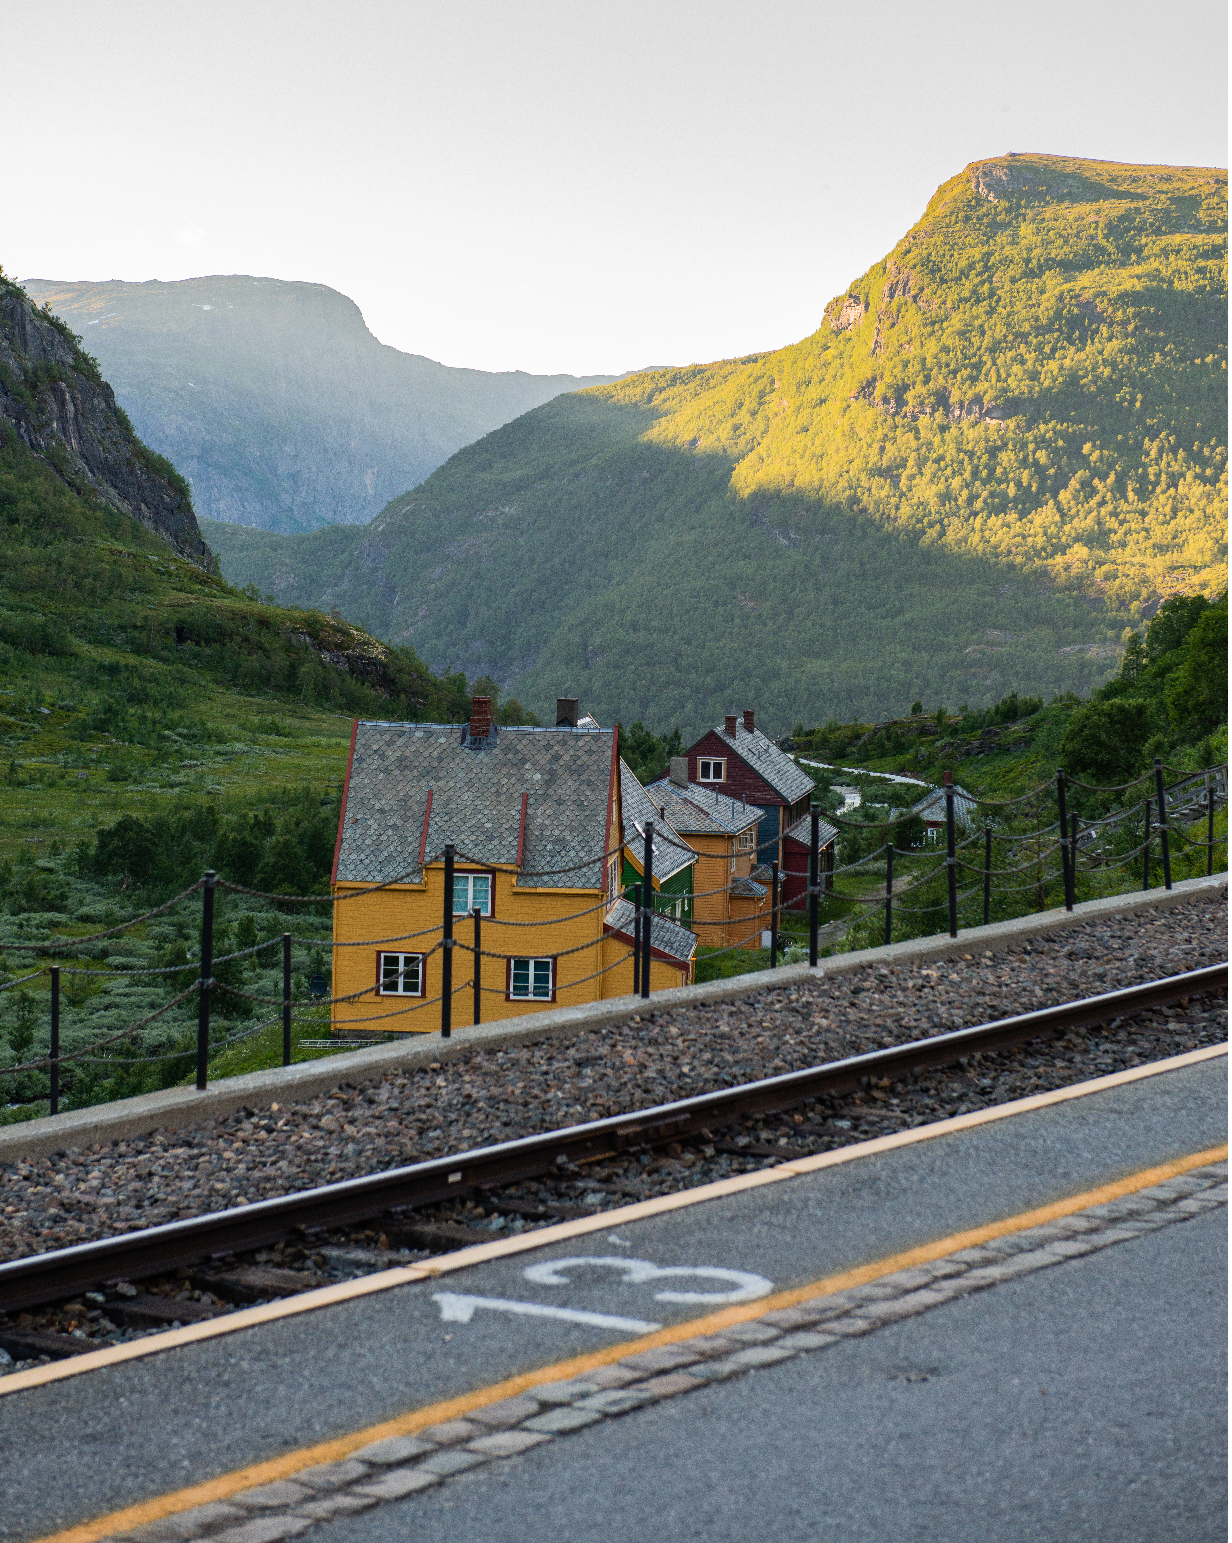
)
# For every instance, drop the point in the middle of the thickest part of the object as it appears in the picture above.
(53, 397)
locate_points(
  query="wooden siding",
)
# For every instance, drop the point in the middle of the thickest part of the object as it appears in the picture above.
(795, 871)
(408, 908)
(721, 920)
(678, 890)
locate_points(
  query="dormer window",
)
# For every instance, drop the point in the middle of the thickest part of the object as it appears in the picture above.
(472, 891)
(712, 771)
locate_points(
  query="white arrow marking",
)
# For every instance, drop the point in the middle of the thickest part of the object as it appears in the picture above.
(457, 1308)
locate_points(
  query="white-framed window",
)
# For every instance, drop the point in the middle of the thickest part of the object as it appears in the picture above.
(712, 771)
(471, 890)
(745, 841)
(400, 975)
(532, 979)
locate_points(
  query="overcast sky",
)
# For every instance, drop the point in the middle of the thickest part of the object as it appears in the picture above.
(581, 186)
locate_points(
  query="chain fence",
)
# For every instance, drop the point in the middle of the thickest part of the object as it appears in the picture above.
(1057, 852)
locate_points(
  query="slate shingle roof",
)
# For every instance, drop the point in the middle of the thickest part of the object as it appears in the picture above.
(668, 937)
(802, 831)
(775, 766)
(671, 853)
(931, 808)
(750, 889)
(476, 801)
(702, 811)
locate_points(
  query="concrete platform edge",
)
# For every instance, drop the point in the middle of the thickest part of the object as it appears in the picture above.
(174, 1108)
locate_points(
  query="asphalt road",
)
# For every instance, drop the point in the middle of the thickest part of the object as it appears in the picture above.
(1084, 1404)
(90, 1444)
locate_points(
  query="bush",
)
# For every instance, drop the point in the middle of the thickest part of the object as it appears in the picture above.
(35, 635)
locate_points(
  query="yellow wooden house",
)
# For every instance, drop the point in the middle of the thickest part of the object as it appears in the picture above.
(535, 820)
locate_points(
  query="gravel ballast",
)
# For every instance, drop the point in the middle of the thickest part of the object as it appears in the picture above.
(500, 1094)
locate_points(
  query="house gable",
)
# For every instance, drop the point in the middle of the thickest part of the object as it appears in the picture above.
(741, 779)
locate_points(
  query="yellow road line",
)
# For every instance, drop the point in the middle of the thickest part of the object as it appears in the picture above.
(604, 1221)
(291, 1463)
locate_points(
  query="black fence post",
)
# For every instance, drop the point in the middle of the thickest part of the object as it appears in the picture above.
(447, 948)
(1067, 873)
(1210, 826)
(889, 888)
(1073, 857)
(814, 879)
(475, 914)
(55, 1039)
(987, 869)
(774, 915)
(951, 855)
(206, 979)
(286, 999)
(647, 904)
(637, 940)
(1163, 822)
(1146, 845)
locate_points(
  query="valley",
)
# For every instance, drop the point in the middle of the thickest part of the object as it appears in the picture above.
(997, 454)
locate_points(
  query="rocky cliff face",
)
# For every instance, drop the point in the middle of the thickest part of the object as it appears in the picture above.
(53, 396)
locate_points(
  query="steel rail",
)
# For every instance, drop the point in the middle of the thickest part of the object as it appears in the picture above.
(62, 1272)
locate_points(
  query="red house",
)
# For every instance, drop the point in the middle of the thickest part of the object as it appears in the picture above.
(738, 759)
(796, 844)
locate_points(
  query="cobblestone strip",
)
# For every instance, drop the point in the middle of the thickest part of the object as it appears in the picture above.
(403, 1465)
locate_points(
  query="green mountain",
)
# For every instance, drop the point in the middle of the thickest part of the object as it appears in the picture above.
(274, 399)
(999, 450)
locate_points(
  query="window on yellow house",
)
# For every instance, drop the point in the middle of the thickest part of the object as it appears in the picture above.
(746, 841)
(532, 978)
(400, 975)
(471, 891)
(712, 771)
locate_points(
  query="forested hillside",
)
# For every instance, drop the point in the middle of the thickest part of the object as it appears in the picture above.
(1002, 447)
(274, 399)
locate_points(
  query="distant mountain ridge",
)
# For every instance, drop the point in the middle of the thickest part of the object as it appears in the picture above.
(275, 401)
(54, 401)
(1004, 444)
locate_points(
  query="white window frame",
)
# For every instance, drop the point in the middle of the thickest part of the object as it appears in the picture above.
(469, 880)
(744, 841)
(706, 765)
(405, 962)
(532, 994)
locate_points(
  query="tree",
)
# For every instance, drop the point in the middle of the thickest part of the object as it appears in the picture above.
(1104, 742)
(1172, 624)
(1197, 690)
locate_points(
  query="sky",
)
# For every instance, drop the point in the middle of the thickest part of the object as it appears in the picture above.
(586, 187)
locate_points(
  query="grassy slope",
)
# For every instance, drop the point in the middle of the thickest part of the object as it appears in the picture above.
(968, 480)
(135, 686)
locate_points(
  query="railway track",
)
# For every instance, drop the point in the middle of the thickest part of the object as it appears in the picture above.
(200, 1253)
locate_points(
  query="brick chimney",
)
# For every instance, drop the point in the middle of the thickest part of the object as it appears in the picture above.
(748, 720)
(481, 717)
(730, 723)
